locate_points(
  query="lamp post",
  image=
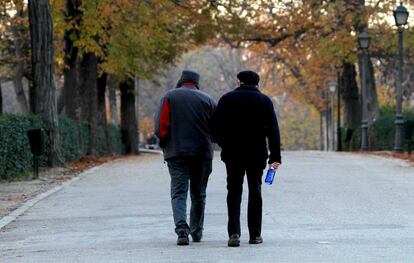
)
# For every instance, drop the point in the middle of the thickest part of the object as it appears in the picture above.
(338, 119)
(364, 41)
(337, 88)
(401, 17)
(332, 89)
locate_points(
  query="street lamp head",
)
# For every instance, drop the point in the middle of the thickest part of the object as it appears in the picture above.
(364, 40)
(401, 15)
(332, 88)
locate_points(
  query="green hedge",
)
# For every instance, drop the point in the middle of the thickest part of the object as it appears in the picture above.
(69, 139)
(382, 132)
(15, 155)
(114, 136)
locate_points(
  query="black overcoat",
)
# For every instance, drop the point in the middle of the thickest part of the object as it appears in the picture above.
(243, 123)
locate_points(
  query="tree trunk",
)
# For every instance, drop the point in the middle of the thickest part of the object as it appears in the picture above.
(17, 78)
(41, 29)
(89, 96)
(321, 141)
(329, 130)
(113, 100)
(16, 30)
(324, 132)
(129, 127)
(372, 96)
(1, 99)
(137, 94)
(32, 97)
(350, 95)
(19, 69)
(102, 118)
(102, 100)
(70, 95)
(61, 101)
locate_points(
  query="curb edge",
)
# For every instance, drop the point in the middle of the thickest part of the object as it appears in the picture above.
(12, 216)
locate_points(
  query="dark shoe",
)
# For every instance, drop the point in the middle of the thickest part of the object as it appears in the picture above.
(256, 240)
(196, 238)
(183, 240)
(234, 240)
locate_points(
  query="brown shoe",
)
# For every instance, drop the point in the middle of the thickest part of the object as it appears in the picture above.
(234, 241)
(256, 240)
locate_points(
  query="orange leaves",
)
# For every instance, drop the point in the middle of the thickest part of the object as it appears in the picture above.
(135, 37)
(305, 39)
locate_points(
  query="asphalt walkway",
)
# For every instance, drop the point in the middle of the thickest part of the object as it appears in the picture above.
(323, 207)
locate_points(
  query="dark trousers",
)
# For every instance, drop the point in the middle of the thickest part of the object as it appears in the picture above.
(193, 172)
(235, 177)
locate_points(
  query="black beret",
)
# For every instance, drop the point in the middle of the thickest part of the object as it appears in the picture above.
(248, 77)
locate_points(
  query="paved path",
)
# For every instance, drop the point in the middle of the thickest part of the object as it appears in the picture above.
(322, 208)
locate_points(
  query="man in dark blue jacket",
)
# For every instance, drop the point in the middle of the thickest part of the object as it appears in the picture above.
(243, 120)
(183, 126)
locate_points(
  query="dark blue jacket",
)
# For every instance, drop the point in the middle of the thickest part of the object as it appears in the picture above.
(242, 122)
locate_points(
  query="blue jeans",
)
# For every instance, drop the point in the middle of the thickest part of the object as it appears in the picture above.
(185, 171)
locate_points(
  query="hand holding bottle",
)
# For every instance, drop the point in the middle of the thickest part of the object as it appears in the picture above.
(271, 173)
(275, 165)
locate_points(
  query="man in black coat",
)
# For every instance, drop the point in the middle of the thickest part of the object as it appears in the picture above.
(242, 122)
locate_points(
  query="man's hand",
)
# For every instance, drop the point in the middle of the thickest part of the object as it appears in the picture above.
(275, 165)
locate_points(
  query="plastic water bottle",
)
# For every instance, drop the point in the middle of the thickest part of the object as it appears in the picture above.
(270, 175)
